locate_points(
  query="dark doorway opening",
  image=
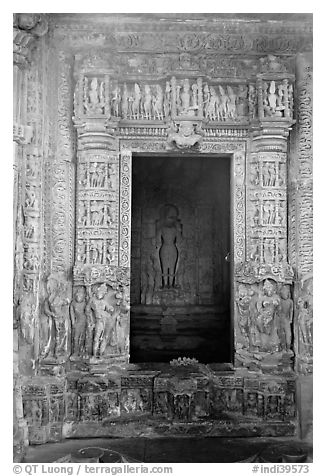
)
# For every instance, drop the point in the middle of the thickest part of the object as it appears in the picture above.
(180, 273)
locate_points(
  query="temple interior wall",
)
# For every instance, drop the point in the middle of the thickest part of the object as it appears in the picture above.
(89, 96)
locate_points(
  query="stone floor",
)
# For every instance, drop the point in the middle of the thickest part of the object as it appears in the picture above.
(178, 450)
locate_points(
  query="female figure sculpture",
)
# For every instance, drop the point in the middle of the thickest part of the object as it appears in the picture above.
(285, 313)
(267, 305)
(56, 308)
(78, 321)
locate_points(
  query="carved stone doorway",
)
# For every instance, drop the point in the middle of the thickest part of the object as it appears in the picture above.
(180, 264)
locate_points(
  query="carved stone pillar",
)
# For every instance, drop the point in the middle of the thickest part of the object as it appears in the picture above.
(101, 270)
(264, 307)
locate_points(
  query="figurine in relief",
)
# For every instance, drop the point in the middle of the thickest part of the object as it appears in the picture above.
(168, 235)
(244, 303)
(206, 99)
(115, 101)
(212, 105)
(99, 312)
(97, 213)
(82, 214)
(305, 317)
(252, 101)
(272, 99)
(27, 314)
(31, 200)
(124, 102)
(167, 99)
(56, 308)
(96, 251)
(135, 103)
(184, 135)
(147, 102)
(267, 305)
(280, 101)
(269, 250)
(194, 99)
(158, 103)
(78, 321)
(242, 100)
(95, 101)
(81, 252)
(185, 97)
(31, 260)
(254, 173)
(224, 100)
(285, 316)
(231, 104)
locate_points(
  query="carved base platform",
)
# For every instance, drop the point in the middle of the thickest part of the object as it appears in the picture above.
(167, 400)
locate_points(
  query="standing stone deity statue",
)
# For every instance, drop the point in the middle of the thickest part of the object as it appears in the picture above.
(158, 103)
(78, 322)
(280, 101)
(124, 102)
(95, 102)
(285, 316)
(147, 102)
(99, 312)
(224, 100)
(231, 104)
(115, 102)
(242, 100)
(272, 99)
(185, 96)
(212, 104)
(206, 99)
(56, 308)
(167, 99)
(244, 301)
(305, 319)
(267, 305)
(135, 103)
(194, 101)
(168, 235)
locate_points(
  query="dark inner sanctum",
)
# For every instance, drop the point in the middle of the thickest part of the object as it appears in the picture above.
(180, 285)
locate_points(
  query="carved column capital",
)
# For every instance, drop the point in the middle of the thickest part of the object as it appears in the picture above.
(27, 28)
(271, 135)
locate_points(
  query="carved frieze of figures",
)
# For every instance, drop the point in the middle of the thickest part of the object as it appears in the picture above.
(264, 320)
(55, 325)
(174, 98)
